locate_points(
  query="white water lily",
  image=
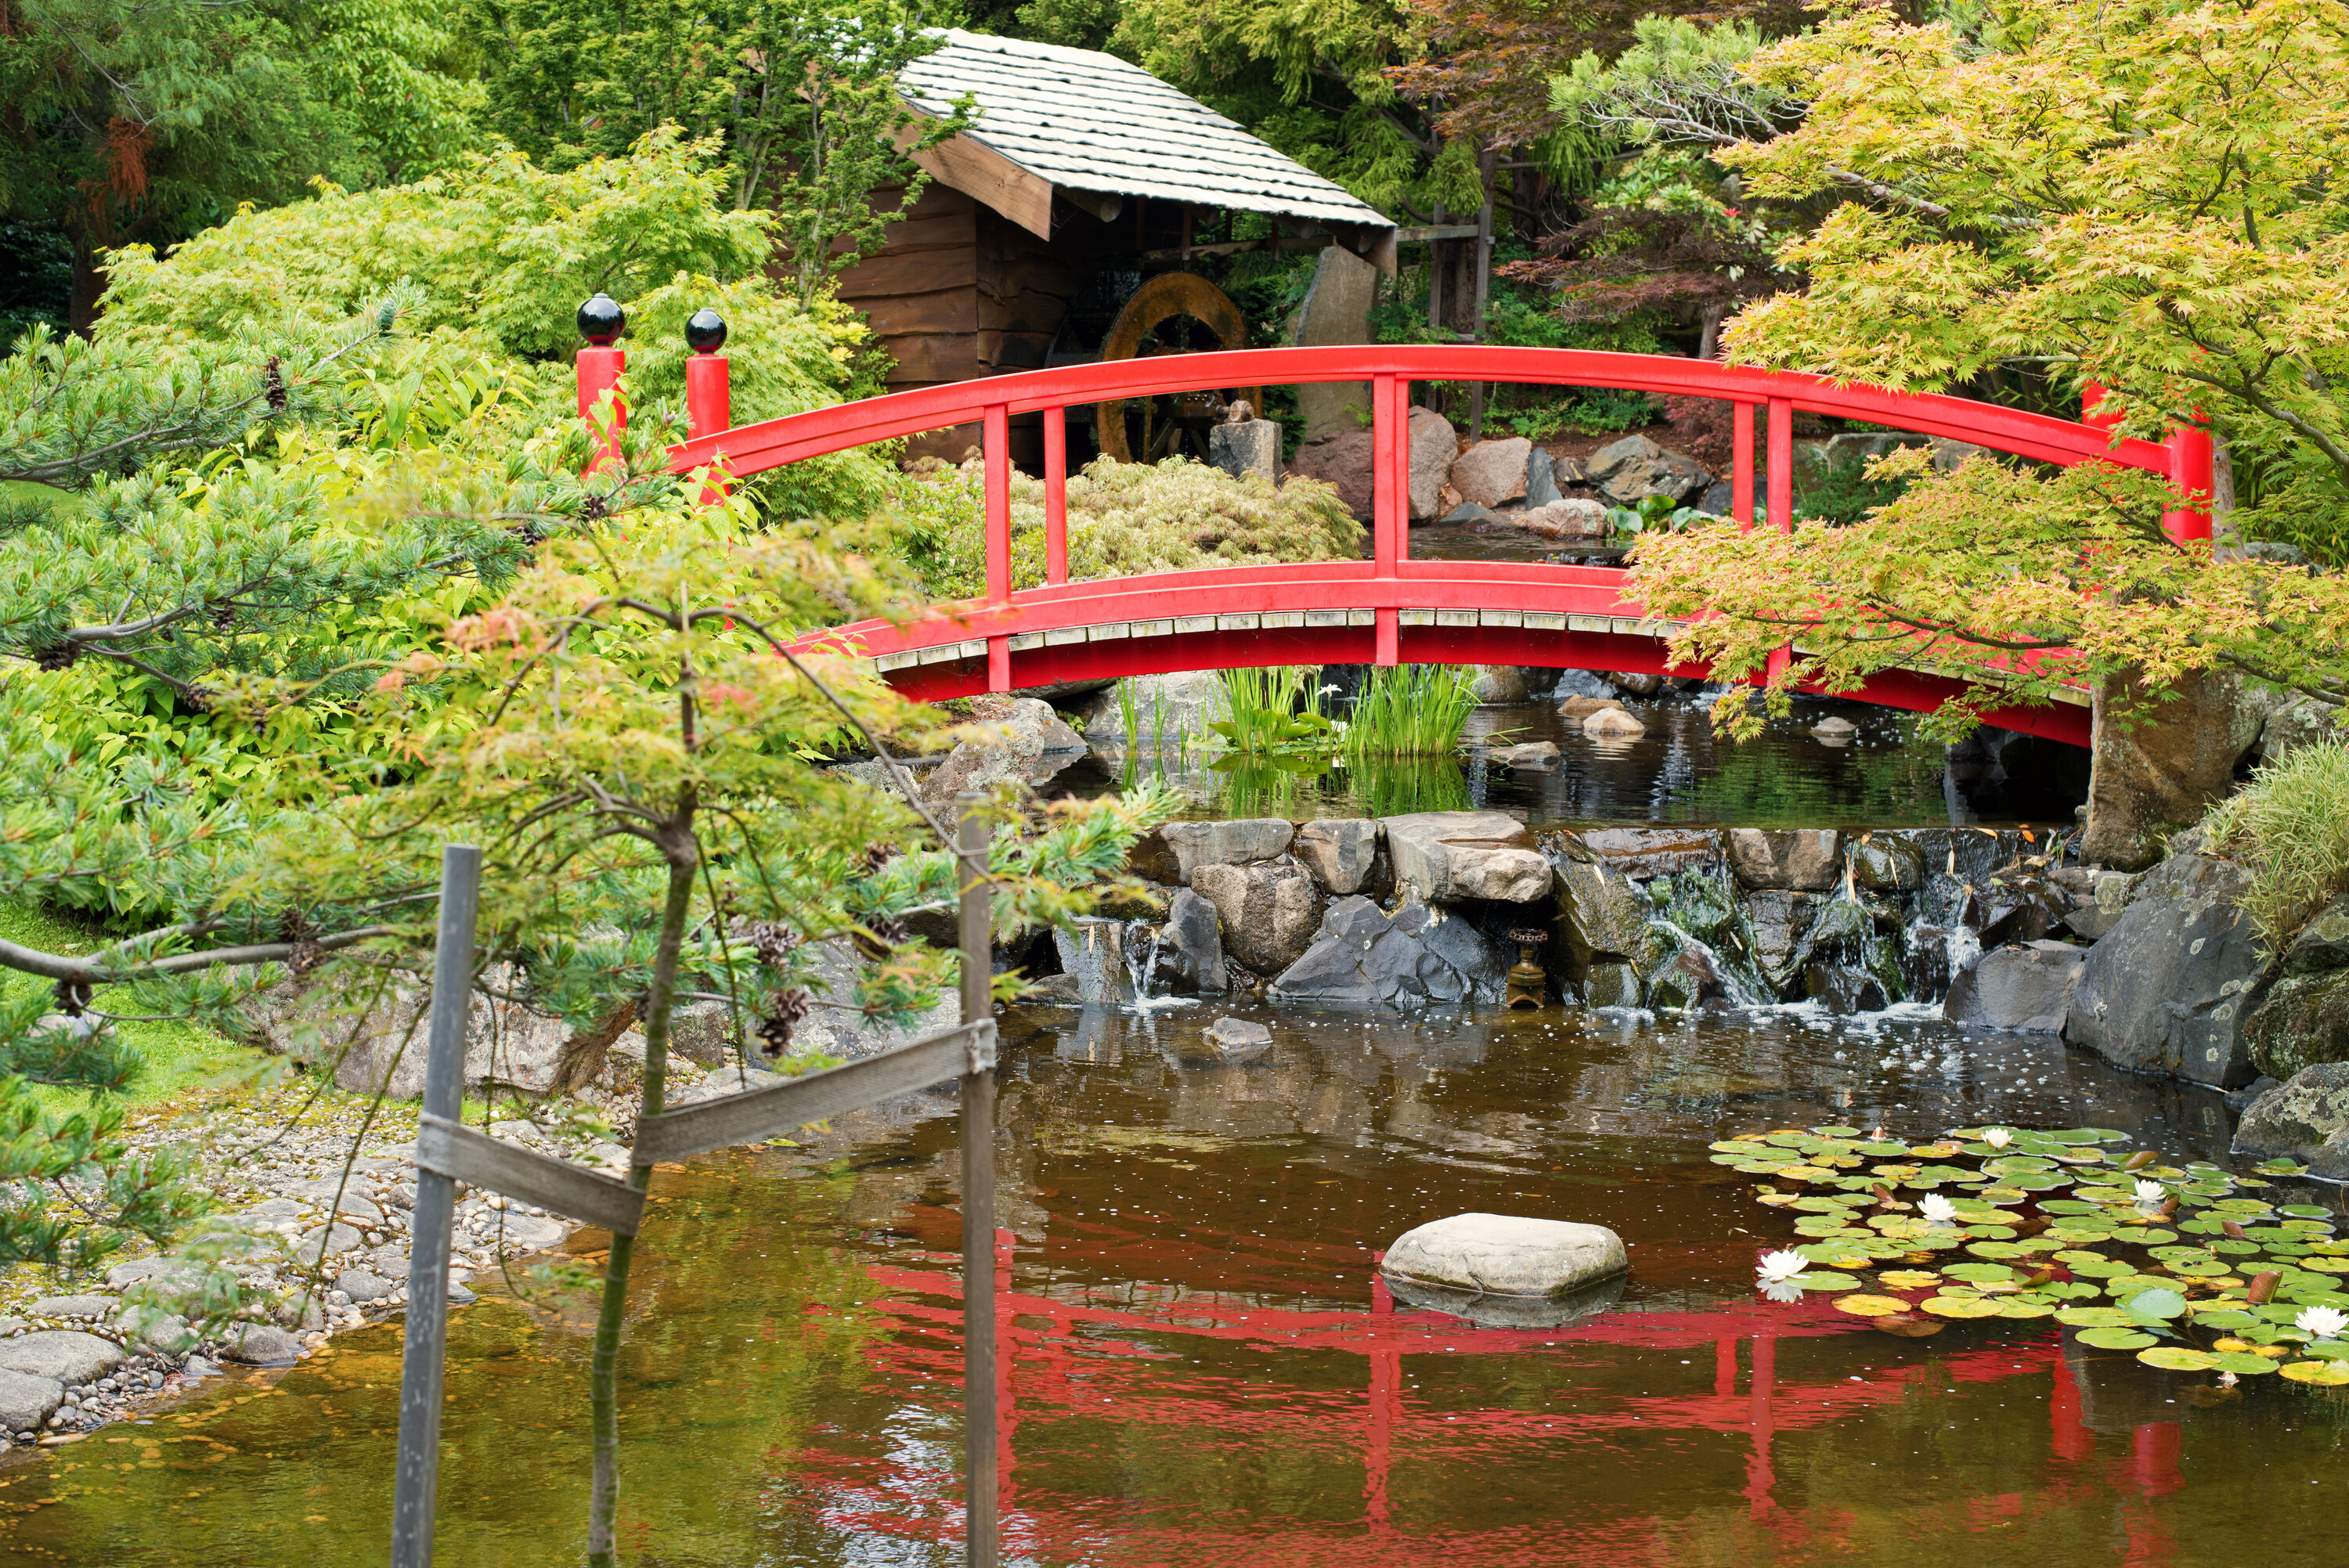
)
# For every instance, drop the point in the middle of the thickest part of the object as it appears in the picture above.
(2150, 1191)
(2322, 1321)
(1777, 1266)
(1998, 1137)
(1937, 1210)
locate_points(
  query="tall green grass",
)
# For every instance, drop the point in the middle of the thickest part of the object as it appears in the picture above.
(2289, 828)
(1410, 710)
(1275, 710)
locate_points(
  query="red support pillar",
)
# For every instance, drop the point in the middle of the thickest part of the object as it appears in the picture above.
(1390, 502)
(1741, 470)
(997, 429)
(708, 409)
(599, 367)
(1779, 462)
(1056, 495)
(2192, 468)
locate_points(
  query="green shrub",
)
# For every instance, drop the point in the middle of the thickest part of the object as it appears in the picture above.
(1124, 519)
(2289, 828)
(1841, 492)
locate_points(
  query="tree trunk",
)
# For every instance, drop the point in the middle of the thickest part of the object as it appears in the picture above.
(603, 1375)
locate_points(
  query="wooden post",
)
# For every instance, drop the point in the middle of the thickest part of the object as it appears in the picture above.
(979, 1391)
(1056, 495)
(425, 1335)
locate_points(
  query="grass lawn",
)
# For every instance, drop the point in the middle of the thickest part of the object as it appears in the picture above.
(180, 1058)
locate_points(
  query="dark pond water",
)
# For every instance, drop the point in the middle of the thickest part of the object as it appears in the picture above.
(1679, 771)
(1201, 1367)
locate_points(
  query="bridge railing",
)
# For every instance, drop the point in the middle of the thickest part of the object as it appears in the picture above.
(1763, 403)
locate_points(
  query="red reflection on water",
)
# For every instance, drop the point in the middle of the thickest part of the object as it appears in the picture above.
(1074, 1355)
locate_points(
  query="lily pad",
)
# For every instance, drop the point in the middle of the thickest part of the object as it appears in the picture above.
(1824, 1279)
(2324, 1373)
(1908, 1279)
(1959, 1307)
(2025, 1306)
(2092, 1265)
(1996, 1274)
(2177, 1359)
(2159, 1304)
(2094, 1317)
(2245, 1365)
(1870, 1305)
(2116, 1339)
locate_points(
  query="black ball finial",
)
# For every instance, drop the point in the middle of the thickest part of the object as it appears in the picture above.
(601, 320)
(705, 331)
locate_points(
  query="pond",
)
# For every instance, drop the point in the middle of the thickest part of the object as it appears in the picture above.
(1681, 771)
(1201, 1367)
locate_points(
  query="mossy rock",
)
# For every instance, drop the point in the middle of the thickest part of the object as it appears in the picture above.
(2304, 1020)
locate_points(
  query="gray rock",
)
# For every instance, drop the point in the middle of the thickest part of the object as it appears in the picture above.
(702, 1032)
(1248, 447)
(532, 1232)
(1468, 511)
(1883, 864)
(1092, 955)
(1415, 957)
(2113, 890)
(1434, 445)
(1498, 684)
(1800, 859)
(2301, 1021)
(1169, 710)
(460, 1296)
(168, 1272)
(1576, 518)
(1610, 984)
(1492, 473)
(273, 1209)
(1603, 915)
(1635, 682)
(1237, 1040)
(2168, 988)
(1526, 754)
(1612, 723)
(1541, 479)
(1030, 746)
(1340, 853)
(1191, 947)
(65, 1353)
(259, 1345)
(1843, 989)
(2026, 987)
(337, 1240)
(2322, 944)
(2307, 1119)
(2252, 1093)
(1336, 310)
(164, 1331)
(1581, 684)
(99, 1307)
(1635, 467)
(1342, 459)
(1507, 1254)
(26, 1401)
(1781, 925)
(1268, 912)
(344, 1022)
(390, 1260)
(1443, 856)
(2158, 767)
(1181, 848)
(2090, 921)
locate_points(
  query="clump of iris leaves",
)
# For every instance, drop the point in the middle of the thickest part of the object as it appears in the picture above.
(2188, 1265)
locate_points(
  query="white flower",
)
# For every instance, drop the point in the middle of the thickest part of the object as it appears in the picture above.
(1782, 1290)
(2322, 1321)
(1937, 1210)
(1998, 1137)
(2150, 1191)
(1775, 1266)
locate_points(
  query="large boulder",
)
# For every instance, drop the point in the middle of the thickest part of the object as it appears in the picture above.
(2303, 1020)
(1174, 852)
(1344, 461)
(2168, 989)
(1444, 856)
(1800, 859)
(1030, 745)
(1408, 959)
(65, 1355)
(1268, 911)
(2156, 767)
(1575, 519)
(2322, 945)
(1246, 446)
(1191, 947)
(1881, 863)
(1492, 473)
(1635, 467)
(1168, 710)
(1340, 853)
(1434, 445)
(2026, 987)
(2307, 1119)
(1781, 925)
(1602, 914)
(1506, 1254)
(372, 1039)
(26, 1401)
(1498, 684)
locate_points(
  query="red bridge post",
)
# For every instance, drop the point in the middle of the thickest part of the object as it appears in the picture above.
(599, 367)
(997, 427)
(1779, 477)
(1391, 500)
(1740, 466)
(709, 397)
(1056, 497)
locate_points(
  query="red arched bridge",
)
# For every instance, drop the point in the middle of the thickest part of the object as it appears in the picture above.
(1388, 609)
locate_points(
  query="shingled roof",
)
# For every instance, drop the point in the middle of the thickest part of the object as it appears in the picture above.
(1091, 121)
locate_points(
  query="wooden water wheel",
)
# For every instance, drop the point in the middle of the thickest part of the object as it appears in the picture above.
(1187, 298)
